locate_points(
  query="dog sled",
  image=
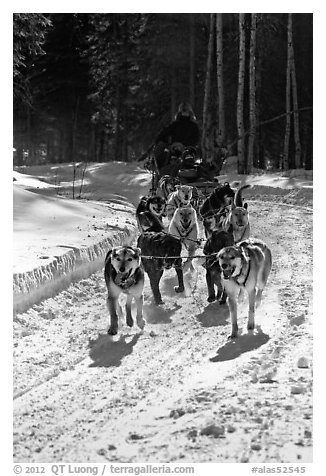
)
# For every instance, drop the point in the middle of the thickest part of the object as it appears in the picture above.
(186, 165)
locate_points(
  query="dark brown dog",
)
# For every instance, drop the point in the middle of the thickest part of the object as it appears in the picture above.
(150, 212)
(217, 241)
(221, 197)
(163, 245)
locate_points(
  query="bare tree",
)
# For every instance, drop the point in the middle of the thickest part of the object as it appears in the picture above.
(252, 92)
(192, 60)
(240, 97)
(220, 82)
(285, 163)
(294, 97)
(207, 88)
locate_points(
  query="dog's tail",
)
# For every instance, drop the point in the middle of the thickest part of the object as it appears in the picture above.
(238, 201)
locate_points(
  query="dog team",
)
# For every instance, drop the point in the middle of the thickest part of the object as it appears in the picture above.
(234, 261)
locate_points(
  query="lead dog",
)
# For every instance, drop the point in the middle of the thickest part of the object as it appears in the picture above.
(181, 196)
(123, 273)
(164, 251)
(245, 266)
(184, 225)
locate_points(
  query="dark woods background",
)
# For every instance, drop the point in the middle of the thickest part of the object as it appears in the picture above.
(99, 87)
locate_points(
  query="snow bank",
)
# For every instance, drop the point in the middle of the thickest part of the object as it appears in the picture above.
(45, 281)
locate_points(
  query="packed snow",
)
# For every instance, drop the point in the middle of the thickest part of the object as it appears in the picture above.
(179, 391)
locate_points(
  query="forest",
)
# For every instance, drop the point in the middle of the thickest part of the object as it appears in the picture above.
(99, 87)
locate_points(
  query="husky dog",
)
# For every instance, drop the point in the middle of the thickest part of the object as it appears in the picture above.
(244, 266)
(184, 225)
(150, 212)
(166, 186)
(181, 196)
(164, 251)
(221, 197)
(123, 273)
(237, 220)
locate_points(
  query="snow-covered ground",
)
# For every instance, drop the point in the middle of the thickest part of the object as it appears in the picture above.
(178, 392)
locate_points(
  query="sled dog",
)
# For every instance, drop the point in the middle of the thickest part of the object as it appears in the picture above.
(123, 273)
(166, 185)
(150, 212)
(165, 252)
(184, 225)
(181, 196)
(237, 220)
(221, 197)
(244, 266)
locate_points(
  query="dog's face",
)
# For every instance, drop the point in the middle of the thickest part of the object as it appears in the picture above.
(211, 222)
(187, 215)
(156, 205)
(184, 193)
(125, 260)
(240, 216)
(230, 260)
(170, 184)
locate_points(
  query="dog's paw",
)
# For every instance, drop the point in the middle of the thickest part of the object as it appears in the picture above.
(232, 336)
(179, 289)
(222, 301)
(130, 321)
(211, 298)
(112, 331)
(251, 327)
(141, 323)
(158, 302)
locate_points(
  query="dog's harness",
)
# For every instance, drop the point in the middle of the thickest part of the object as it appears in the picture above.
(236, 278)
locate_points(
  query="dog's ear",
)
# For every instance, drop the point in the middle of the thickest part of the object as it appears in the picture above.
(108, 256)
(137, 252)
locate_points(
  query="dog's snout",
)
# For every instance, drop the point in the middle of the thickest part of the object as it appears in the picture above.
(224, 265)
(122, 269)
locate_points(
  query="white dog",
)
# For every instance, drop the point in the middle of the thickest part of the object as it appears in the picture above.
(181, 196)
(184, 225)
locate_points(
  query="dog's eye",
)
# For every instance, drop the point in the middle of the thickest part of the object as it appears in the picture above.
(129, 259)
(118, 259)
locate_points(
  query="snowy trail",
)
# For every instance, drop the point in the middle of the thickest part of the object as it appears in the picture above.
(145, 397)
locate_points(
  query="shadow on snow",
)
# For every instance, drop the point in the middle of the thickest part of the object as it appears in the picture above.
(243, 343)
(107, 352)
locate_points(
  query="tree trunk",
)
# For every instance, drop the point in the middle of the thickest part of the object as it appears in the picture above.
(220, 82)
(192, 60)
(297, 142)
(117, 142)
(240, 97)
(288, 99)
(207, 88)
(173, 92)
(74, 130)
(252, 93)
